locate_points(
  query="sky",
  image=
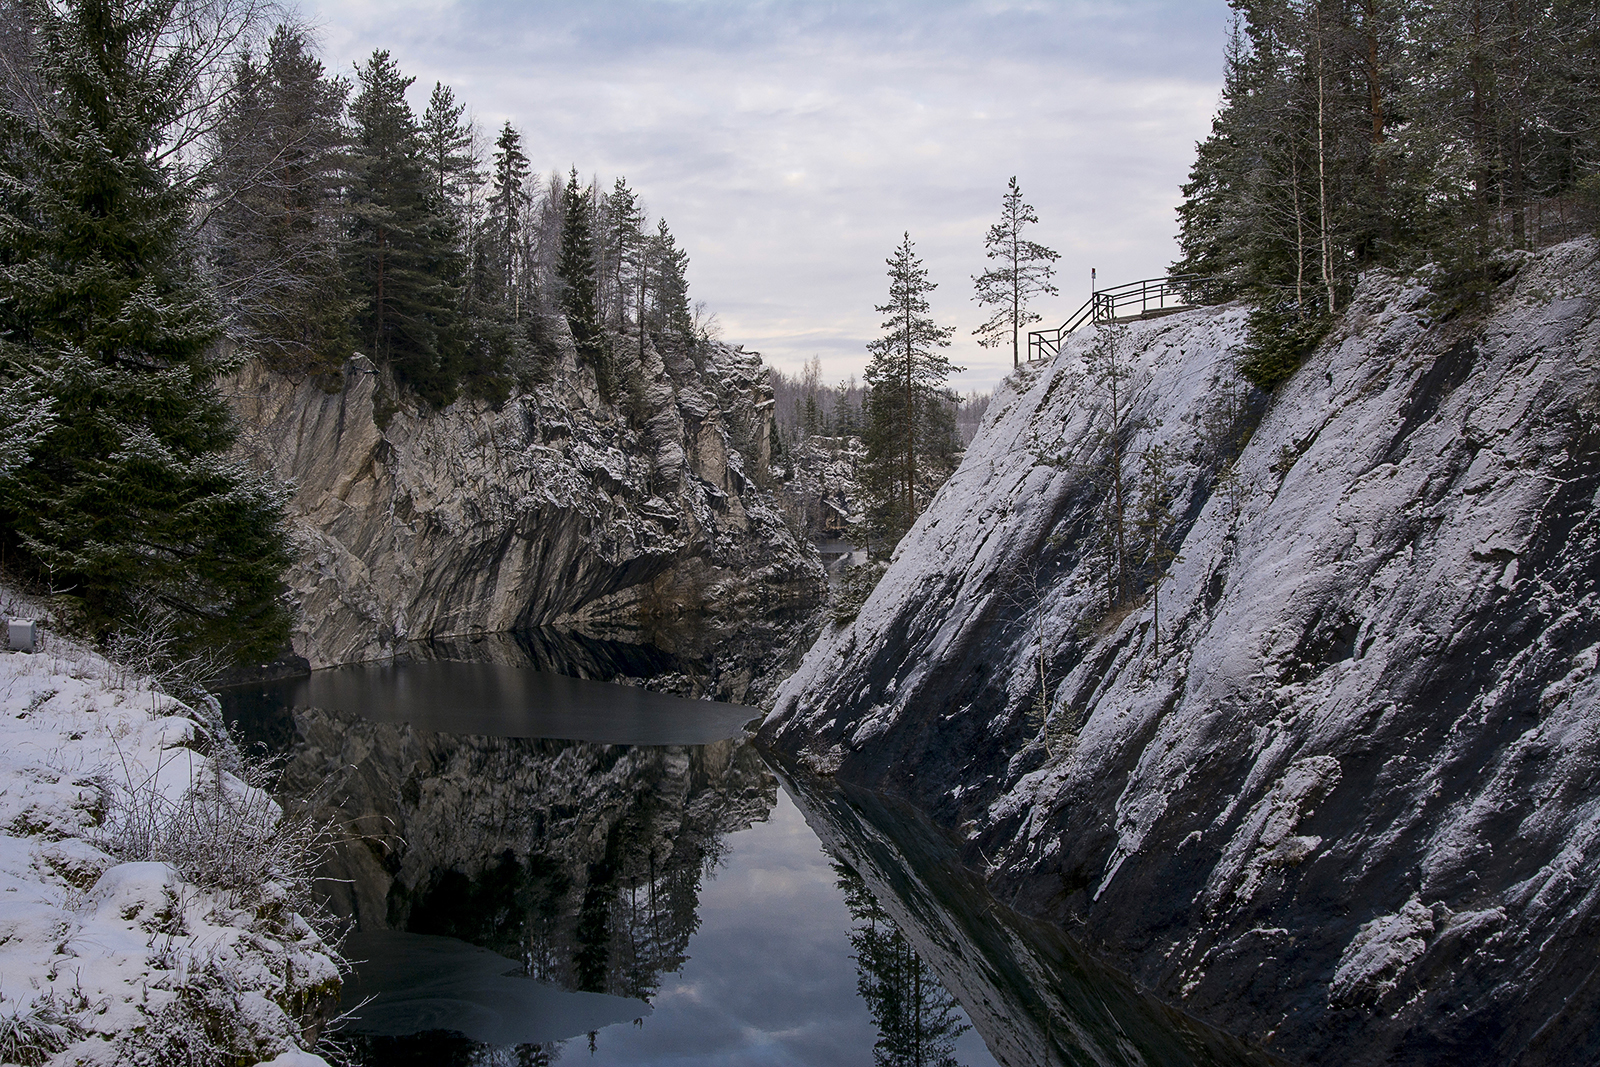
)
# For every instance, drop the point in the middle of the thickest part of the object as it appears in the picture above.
(790, 143)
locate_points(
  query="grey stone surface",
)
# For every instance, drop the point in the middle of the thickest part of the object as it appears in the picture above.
(552, 509)
(1348, 808)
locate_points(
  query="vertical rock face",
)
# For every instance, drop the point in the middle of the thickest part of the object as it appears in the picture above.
(1344, 800)
(555, 508)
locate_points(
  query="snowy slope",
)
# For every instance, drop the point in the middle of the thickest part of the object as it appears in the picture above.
(104, 961)
(1355, 815)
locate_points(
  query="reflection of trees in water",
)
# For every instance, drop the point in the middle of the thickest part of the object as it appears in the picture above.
(583, 862)
(918, 1020)
(440, 1049)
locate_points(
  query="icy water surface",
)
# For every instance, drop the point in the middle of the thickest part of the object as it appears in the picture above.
(543, 869)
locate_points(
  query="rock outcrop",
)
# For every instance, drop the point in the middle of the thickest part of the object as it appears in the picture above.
(555, 508)
(1344, 800)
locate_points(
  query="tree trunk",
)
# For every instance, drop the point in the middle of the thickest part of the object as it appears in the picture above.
(1322, 170)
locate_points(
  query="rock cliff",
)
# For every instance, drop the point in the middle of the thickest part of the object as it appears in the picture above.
(1344, 800)
(555, 508)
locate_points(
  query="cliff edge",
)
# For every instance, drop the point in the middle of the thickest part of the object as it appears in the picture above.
(1343, 797)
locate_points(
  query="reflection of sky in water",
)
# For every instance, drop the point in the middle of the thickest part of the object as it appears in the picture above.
(409, 982)
(770, 978)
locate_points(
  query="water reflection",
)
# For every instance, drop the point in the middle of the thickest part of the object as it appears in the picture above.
(581, 862)
(500, 700)
(1032, 992)
(414, 983)
(918, 1020)
(517, 898)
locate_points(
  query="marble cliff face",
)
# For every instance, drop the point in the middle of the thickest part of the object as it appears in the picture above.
(555, 508)
(1342, 798)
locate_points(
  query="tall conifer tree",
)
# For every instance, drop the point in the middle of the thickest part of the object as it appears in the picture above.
(402, 261)
(910, 426)
(1023, 272)
(575, 269)
(275, 221)
(130, 503)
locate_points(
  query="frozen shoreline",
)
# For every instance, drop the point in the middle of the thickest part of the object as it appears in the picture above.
(103, 959)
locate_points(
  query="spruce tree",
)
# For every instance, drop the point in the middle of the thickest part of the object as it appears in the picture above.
(130, 504)
(575, 270)
(403, 264)
(910, 425)
(669, 269)
(276, 213)
(508, 204)
(1024, 271)
(625, 241)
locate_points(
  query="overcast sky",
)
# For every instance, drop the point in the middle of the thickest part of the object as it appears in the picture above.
(789, 143)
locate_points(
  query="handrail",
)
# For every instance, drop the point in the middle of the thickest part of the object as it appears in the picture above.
(1155, 296)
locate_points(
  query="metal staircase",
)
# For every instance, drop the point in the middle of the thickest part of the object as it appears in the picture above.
(1145, 299)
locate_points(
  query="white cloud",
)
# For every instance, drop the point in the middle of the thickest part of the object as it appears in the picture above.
(789, 144)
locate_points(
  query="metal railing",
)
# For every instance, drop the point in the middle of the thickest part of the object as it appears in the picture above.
(1120, 303)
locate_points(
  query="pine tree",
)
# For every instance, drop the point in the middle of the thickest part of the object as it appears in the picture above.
(129, 503)
(1024, 272)
(447, 149)
(575, 270)
(273, 229)
(910, 425)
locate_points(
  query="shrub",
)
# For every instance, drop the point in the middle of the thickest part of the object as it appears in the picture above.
(1278, 342)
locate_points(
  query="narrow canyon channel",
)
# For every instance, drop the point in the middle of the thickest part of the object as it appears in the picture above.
(542, 868)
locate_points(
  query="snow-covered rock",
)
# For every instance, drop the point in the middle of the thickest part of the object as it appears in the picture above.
(110, 961)
(555, 508)
(1369, 724)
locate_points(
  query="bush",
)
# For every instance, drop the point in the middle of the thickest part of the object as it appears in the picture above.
(30, 1034)
(1278, 342)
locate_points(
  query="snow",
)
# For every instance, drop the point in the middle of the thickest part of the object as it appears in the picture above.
(102, 946)
(1408, 545)
(1382, 950)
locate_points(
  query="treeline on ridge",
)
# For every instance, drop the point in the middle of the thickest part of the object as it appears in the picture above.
(341, 221)
(1398, 133)
(177, 173)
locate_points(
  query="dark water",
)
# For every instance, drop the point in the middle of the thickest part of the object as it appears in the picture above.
(544, 869)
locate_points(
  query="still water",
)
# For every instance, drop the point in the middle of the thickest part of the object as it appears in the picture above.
(555, 869)
(540, 868)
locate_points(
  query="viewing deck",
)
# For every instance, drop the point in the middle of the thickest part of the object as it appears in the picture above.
(1146, 299)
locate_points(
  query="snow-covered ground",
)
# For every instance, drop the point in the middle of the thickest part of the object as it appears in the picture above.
(108, 956)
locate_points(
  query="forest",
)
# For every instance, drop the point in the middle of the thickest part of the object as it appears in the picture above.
(1443, 136)
(184, 185)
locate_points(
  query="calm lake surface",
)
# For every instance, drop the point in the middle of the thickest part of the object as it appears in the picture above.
(545, 869)
(673, 908)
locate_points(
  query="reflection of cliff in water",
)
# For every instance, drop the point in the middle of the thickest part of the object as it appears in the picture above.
(1034, 996)
(740, 664)
(581, 861)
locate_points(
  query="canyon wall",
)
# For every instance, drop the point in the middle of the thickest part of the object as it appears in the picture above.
(556, 507)
(1341, 797)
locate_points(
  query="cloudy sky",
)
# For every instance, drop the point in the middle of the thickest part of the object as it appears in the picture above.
(789, 143)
